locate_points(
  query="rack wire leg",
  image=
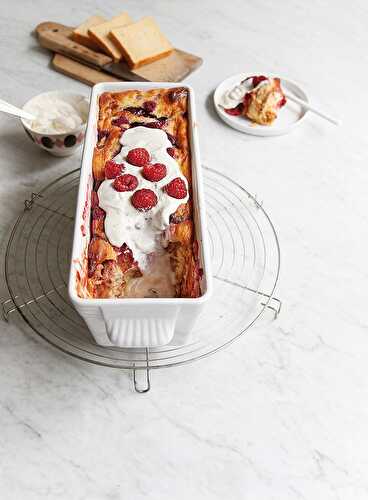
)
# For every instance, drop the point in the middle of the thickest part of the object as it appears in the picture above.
(142, 390)
(274, 305)
(6, 311)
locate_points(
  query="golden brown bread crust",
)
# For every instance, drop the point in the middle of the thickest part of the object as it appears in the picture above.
(110, 268)
(261, 105)
(145, 61)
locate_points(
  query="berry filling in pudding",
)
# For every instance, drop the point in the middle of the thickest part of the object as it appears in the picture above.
(257, 98)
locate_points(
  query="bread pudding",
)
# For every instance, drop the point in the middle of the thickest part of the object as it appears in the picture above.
(257, 98)
(142, 238)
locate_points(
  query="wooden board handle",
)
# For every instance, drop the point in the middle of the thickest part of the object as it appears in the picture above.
(57, 37)
(79, 71)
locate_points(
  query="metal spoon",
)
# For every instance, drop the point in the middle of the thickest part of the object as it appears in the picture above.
(6, 107)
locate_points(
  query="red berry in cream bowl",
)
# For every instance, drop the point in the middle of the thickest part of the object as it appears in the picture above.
(176, 188)
(138, 157)
(144, 199)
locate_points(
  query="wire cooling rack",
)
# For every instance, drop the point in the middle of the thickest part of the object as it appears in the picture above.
(245, 258)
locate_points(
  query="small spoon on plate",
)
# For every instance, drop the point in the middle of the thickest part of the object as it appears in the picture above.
(307, 106)
(6, 107)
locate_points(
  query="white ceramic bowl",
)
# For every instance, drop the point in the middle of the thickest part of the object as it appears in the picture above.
(134, 322)
(289, 116)
(58, 144)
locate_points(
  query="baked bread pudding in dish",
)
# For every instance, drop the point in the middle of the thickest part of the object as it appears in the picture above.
(257, 98)
(142, 239)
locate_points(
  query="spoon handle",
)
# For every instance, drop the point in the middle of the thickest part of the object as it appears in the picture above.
(308, 106)
(6, 107)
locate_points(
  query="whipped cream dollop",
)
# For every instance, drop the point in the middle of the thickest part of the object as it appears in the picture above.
(234, 96)
(141, 231)
(54, 115)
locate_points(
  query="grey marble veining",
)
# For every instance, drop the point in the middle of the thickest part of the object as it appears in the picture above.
(282, 414)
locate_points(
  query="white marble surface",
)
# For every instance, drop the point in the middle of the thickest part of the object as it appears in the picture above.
(282, 414)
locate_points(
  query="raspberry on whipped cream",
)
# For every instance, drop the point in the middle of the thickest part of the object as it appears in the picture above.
(144, 199)
(155, 172)
(126, 182)
(176, 188)
(138, 157)
(113, 169)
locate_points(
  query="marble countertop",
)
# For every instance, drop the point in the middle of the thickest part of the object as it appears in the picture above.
(282, 413)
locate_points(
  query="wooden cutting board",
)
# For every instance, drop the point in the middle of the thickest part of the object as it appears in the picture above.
(79, 71)
(87, 65)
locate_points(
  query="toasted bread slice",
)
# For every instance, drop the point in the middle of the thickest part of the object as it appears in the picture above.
(80, 34)
(141, 42)
(101, 35)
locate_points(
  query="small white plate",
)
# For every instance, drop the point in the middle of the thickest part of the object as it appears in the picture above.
(288, 117)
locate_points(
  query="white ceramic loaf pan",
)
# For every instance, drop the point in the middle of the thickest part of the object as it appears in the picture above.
(131, 322)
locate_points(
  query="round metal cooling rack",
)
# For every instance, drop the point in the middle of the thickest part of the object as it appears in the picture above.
(245, 260)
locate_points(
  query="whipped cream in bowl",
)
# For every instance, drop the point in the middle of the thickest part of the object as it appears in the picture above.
(60, 121)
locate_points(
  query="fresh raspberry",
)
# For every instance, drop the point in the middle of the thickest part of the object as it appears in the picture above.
(138, 157)
(122, 120)
(113, 169)
(176, 188)
(126, 182)
(98, 213)
(172, 152)
(258, 79)
(155, 172)
(238, 110)
(94, 199)
(149, 106)
(144, 199)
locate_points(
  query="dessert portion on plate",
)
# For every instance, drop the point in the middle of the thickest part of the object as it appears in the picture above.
(142, 240)
(257, 98)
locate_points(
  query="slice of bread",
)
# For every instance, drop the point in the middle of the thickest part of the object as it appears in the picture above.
(101, 34)
(80, 34)
(141, 42)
